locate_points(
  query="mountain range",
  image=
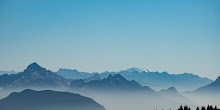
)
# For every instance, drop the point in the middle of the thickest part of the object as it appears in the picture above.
(94, 77)
(156, 80)
(7, 72)
(73, 74)
(126, 80)
(113, 83)
(48, 100)
(33, 76)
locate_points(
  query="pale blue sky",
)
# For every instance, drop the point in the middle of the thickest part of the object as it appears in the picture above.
(99, 35)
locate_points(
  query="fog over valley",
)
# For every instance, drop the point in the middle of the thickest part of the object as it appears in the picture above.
(110, 91)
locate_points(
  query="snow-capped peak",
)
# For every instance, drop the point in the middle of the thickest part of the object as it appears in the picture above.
(144, 70)
(139, 70)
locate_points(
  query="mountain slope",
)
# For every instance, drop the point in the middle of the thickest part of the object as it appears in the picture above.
(111, 83)
(48, 100)
(33, 76)
(211, 88)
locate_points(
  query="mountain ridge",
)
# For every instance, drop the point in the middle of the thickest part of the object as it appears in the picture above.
(33, 76)
(214, 87)
(48, 100)
(156, 80)
(112, 83)
(7, 72)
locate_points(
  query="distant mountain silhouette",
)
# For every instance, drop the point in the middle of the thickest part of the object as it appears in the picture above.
(211, 88)
(159, 80)
(171, 92)
(7, 72)
(111, 83)
(94, 77)
(73, 74)
(156, 80)
(48, 100)
(33, 76)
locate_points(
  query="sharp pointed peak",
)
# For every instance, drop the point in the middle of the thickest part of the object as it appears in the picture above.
(116, 76)
(34, 66)
(34, 63)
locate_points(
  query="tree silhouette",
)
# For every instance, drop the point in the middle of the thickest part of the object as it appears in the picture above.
(215, 108)
(209, 107)
(203, 108)
(181, 108)
(186, 108)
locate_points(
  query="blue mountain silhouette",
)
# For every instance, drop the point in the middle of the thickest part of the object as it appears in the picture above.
(33, 76)
(48, 100)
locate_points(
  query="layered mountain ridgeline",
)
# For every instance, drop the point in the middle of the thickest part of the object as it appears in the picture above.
(213, 88)
(162, 80)
(113, 83)
(115, 91)
(73, 74)
(48, 100)
(172, 94)
(155, 80)
(92, 78)
(7, 72)
(36, 76)
(125, 89)
(33, 76)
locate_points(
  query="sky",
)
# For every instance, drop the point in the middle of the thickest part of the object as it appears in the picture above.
(176, 36)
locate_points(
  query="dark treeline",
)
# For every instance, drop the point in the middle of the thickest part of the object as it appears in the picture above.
(209, 107)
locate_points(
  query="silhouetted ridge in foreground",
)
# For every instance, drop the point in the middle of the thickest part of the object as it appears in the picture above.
(48, 100)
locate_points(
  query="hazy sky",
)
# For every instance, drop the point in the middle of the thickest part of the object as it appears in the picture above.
(98, 35)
